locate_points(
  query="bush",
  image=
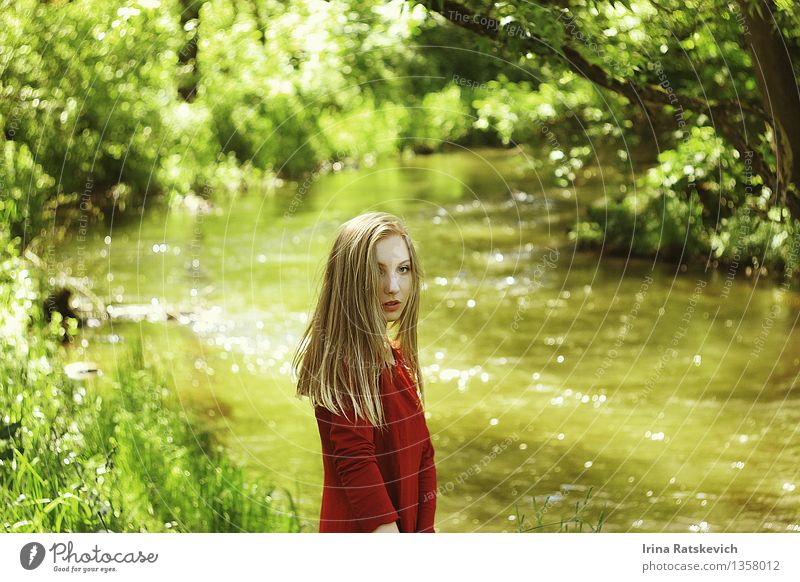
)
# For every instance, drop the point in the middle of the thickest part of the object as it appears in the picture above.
(87, 84)
(697, 202)
(666, 224)
(26, 188)
(440, 117)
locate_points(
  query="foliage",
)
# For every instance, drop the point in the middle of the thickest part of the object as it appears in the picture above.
(87, 83)
(25, 186)
(700, 201)
(443, 117)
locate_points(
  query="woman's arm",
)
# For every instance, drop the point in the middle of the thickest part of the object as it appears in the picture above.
(353, 448)
(427, 490)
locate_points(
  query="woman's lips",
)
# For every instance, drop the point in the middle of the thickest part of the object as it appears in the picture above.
(391, 306)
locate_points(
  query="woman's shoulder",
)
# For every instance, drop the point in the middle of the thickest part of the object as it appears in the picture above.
(346, 416)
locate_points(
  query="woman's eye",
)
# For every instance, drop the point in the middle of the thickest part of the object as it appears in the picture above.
(407, 269)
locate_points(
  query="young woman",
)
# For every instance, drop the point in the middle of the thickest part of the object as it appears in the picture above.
(366, 387)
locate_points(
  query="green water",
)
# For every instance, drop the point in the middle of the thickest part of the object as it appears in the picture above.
(549, 371)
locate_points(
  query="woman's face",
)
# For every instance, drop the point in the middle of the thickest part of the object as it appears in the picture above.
(396, 279)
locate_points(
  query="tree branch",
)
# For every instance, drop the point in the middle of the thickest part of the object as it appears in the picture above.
(490, 27)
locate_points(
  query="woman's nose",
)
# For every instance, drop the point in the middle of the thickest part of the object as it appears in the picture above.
(392, 285)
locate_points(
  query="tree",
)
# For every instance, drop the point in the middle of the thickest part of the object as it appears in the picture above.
(624, 47)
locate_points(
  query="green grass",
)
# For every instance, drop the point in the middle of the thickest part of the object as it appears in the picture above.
(576, 522)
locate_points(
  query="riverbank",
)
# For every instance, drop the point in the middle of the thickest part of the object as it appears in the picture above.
(117, 453)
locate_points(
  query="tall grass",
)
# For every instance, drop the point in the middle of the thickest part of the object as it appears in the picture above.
(75, 458)
(576, 522)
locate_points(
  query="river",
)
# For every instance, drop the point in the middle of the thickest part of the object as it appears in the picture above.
(669, 391)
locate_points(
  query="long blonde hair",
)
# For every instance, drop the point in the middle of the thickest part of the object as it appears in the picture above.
(345, 346)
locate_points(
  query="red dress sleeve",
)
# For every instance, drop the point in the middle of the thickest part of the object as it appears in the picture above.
(427, 490)
(353, 447)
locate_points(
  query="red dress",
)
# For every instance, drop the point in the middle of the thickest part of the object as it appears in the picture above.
(374, 477)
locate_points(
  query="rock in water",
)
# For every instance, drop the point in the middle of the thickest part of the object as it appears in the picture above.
(81, 370)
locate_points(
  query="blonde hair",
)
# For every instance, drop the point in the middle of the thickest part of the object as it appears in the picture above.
(345, 346)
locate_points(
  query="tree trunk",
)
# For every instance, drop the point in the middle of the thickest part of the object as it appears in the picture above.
(187, 57)
(779, 93)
